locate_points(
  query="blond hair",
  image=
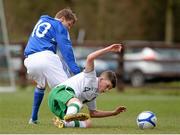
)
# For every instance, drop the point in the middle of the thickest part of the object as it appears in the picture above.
(67, 14)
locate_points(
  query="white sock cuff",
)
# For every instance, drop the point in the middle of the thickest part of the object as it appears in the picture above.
(78, 103)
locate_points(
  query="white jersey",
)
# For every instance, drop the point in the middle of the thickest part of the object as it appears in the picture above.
(85, 86)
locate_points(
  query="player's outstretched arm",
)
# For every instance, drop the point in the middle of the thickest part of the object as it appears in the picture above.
(91, 57)
(101, 114)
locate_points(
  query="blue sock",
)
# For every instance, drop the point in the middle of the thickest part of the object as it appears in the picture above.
(38, 97)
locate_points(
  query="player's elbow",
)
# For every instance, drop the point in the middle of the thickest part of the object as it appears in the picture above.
(90, 58)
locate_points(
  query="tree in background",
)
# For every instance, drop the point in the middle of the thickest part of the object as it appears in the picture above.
(101, 19)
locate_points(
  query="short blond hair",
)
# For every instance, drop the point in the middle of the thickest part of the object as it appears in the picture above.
(67, 14)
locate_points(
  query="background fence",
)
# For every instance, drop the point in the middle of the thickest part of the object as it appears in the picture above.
(120, 59)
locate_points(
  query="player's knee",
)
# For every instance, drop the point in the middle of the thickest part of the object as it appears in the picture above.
(73, 100)
(74, 103)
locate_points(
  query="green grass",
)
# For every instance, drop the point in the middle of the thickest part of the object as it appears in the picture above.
(15, 109)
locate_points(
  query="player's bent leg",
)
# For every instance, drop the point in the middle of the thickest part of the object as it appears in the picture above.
(74, 106)
(35, 70)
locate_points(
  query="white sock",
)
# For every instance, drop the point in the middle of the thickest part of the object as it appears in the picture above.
(69, 124)
(82, 124)
(74, 108)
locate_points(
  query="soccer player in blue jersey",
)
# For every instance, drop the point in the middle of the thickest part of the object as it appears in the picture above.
(44, 65)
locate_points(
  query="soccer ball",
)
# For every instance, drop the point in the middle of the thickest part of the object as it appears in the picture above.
(146, 120)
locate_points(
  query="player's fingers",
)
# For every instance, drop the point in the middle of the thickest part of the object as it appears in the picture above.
(117, 44)
(122, 108)
(118, 47)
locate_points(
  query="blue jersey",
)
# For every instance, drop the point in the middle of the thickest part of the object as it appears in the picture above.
(48, 34)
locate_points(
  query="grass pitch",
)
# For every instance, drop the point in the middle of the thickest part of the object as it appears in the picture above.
(15, 110)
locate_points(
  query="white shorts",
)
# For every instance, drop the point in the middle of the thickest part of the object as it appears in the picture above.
(45, 67)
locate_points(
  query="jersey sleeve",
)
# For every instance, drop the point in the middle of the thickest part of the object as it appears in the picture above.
(90, 74)
(91, 105)
(65, 46)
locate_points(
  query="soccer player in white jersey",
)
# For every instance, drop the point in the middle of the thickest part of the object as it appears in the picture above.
(67, 98)
(44, 66)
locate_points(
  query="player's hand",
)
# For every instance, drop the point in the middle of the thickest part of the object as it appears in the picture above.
(119, 110)
(115, 48)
